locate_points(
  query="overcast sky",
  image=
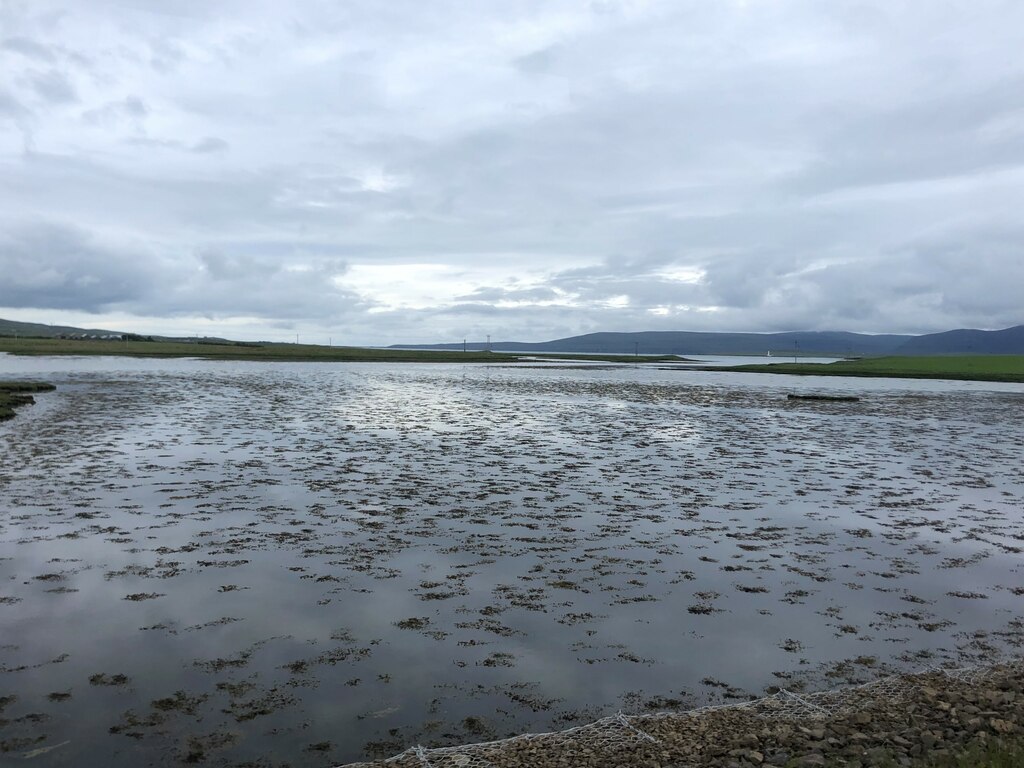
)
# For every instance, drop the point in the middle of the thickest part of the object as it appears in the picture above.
(410, 171)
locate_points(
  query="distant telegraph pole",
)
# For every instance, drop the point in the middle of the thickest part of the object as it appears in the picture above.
(796, 350)
(488, 342)
(463, 345)
(636, 349)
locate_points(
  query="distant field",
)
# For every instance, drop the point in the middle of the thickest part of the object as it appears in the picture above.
(279, 352)
(967, 367)
(232, 351)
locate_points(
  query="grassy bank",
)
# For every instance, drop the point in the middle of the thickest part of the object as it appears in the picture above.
(278, 352)
(233, 351)
(966, 367)
(17, 393)
(999, 754)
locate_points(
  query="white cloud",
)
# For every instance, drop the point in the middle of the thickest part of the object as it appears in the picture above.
(409, 172)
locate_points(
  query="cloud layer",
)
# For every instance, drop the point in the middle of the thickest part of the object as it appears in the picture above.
(433, 171)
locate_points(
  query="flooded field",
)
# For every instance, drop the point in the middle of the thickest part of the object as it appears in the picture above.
(307, 564)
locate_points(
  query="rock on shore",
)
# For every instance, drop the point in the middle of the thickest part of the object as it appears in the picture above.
(892, 721)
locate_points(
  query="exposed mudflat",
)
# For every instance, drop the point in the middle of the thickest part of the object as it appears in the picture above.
(245, 563)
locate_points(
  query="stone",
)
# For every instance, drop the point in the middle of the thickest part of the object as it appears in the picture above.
(1001, 726)
(812, 761)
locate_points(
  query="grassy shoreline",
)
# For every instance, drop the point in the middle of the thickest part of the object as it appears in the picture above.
(1002, 368)
(979, 753)
(14, 394)
(1007, 368)
(285, 352)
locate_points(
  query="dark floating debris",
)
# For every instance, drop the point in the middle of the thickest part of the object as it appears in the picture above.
(833, 398)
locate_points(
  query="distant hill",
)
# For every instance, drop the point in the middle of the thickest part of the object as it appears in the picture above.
(15, 328)
(964, 341)
(824, 343)
(967, 341)
(692, 343)
(39, 330)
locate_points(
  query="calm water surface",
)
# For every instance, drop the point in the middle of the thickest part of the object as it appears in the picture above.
(307, 564)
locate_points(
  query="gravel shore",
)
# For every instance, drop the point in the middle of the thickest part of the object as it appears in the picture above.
(891, 722)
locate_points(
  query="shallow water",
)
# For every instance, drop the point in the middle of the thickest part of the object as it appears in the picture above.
(314, 563)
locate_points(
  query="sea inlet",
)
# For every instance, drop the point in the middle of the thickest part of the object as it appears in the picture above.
(247, 563)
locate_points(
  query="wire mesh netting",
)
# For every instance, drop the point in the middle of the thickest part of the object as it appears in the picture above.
(617, 738)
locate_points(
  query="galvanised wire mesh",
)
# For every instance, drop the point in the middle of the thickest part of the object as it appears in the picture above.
(620, 734)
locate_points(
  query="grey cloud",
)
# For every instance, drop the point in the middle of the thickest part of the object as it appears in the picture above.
(54, 87)
(237, 284)
(206, 146)
(131, 109)
(221, 266)
(134, 106)
(209, 144)
(744, 280)
(11, 107)
(825, 166)
(538, 62)
(913, 287)
(147, 141)
(494, 294)
(922, 140)
(29, 48)
(54, 266)
(166, 56)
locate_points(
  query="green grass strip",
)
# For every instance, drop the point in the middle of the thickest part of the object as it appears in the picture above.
(281, 352)
(964, 367)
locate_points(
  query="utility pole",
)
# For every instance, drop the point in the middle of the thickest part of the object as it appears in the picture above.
(636, 349)
(488, 342)
(463, 346)
(796, 350)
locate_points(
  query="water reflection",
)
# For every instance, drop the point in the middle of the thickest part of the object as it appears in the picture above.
(313, 563)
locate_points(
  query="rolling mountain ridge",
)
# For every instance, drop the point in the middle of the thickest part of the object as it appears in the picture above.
(1009, 341)
(963, 341)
